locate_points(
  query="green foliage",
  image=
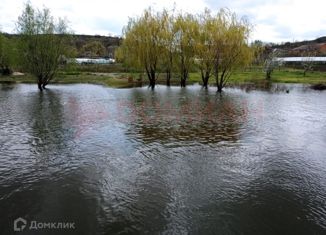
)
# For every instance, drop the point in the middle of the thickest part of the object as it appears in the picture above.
(186, 30)
(8, 55)
(217, 44)
(42, 43)
(259, 51)
(142, 45)
(93, 49)
(230, 46)
(168, 53)
(205, 53)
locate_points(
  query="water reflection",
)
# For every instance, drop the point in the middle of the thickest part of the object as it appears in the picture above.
(173, 161)
(184, 115)
(270, 87)
(44, 112)
(7, 86)
(41, 178)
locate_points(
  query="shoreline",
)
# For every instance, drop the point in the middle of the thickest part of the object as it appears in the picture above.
(250, 79)
(242, 86)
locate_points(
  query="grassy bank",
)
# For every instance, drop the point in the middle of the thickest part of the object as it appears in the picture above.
(112, 80)
(123, 79)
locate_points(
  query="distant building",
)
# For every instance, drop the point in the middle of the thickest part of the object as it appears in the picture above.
(302, 59)
(92, 61)
(298, 62)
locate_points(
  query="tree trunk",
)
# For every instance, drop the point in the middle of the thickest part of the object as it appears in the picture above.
(151, 77)
(168, 77)
(40, 85)
(45, 83)
(152, 83)
(268, 75)
(183, 82)
(205, 83)
(219, 84)
(219, 88)
(205, 78)
(184, 76)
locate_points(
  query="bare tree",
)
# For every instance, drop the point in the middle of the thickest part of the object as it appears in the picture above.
(308, 61)
(271, 62)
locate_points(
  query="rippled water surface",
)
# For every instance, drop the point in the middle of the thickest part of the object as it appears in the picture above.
(169, 161)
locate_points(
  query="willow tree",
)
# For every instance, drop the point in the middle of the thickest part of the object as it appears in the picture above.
(230, 46)
(167, 56)
(186, 30)
(42, 43)
(142, 45)
(204, 47)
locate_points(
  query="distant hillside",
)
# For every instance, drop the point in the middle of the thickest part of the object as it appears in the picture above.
(78, 41)
(316, 47)
(110, 43)
(291, 45)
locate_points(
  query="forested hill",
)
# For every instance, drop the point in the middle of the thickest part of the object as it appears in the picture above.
(107, 41)
(84, 44)
(292, 45)
(315, 47)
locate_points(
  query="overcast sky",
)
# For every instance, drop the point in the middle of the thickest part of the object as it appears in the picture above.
(273, 20)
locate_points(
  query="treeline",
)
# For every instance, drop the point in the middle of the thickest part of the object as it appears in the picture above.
(214, 44)
(8, 54)
(93, 46)
(43, 44)
(155, 42)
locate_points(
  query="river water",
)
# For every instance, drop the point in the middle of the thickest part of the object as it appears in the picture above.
(168, 161)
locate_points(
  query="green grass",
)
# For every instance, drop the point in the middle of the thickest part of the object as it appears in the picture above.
(285, 75)
(123, 79)
(113, 80)
(278, 76)
(296, 76)
(17, 79)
